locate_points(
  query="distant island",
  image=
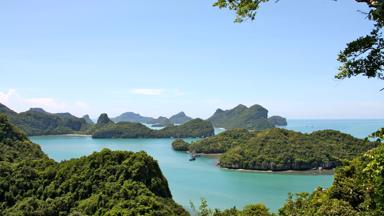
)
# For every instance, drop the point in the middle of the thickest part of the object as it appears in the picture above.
(105, 128)
(254, 117)
(179, 118)
(280, 149)
(37, 121)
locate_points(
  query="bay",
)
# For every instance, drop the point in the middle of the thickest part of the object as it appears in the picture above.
(222, 188)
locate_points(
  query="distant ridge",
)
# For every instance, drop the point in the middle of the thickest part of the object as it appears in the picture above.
(179, 118)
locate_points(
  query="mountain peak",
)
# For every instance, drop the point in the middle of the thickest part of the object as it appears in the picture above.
(180, 118)
(103, 119)
(37, 109)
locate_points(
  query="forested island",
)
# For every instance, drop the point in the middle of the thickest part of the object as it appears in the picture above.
(254, 117)
(105, 128)
(37, 121)
(104, 183)
(280, 149)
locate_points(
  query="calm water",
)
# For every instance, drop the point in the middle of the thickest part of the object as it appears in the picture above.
(190, 181)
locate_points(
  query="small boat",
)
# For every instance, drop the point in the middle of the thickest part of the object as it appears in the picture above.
(192, 158)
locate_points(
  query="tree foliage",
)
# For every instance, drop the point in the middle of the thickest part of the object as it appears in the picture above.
(358, 189)
(249, 210)
(180, 145)
(364, 56)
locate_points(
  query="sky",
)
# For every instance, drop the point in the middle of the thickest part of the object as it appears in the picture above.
(157, 58)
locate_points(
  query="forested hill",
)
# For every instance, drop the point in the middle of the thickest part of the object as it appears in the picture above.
(36, 121)
(104, 183)
(279, 149)
(14, 144)
(254, 117)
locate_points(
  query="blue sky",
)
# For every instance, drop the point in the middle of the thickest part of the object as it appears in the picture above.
(161, 57)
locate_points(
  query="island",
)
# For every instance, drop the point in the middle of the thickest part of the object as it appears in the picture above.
(108, 129)
(37, 121)
(179, 118)
(280, 149)
(180, 145)
(103, 183)
(254, 118)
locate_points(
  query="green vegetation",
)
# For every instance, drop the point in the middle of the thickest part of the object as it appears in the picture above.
(249, 210)
(38, 122)
(14, 144)
(108, 129)
(221, 142)
(378, 134)
(279, 149)
(358, 189)
(105, 183)
(180, 145)
(254, 117)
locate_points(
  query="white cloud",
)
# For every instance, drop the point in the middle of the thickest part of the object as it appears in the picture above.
(5, 97)
(147, 91)
(15, 101)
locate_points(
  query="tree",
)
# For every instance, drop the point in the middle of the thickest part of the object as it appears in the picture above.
(364, 56)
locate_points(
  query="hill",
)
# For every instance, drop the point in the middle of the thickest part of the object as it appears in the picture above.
(36, 121)
(194, 128)
(254, 117)
(279, 149)
(133, 117)
(14, 144)
(88, 120)
(104, 183)
(180, 118)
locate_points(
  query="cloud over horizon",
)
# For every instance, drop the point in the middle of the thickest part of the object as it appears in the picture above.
(17, 102)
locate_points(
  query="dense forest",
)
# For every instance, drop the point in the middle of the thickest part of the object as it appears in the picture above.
(104, 183)
(105, 128)
(279, 149)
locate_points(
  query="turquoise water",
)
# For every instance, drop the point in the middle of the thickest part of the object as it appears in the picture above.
(190, 181)
(357, 127)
